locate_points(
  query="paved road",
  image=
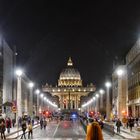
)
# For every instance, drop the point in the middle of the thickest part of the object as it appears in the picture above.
(65, 130)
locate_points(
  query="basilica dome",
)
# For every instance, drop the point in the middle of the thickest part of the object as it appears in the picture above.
(70, 77)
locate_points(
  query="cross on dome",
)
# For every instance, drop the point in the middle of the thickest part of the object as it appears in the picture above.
(70, 63)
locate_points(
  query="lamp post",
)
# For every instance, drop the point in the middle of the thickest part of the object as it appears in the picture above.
(41, 104)
(121, 101)
(31, 85)
(19, 73)
(37, 105)
(108, 108)
(94, 104)
(97, 102)
(101, 91)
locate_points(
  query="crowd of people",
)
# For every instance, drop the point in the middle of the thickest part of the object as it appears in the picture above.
(127, 122)
(5, 125)
(25, 123)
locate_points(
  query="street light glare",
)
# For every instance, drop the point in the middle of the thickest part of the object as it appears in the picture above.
(101, 91)
(31, 84)
(19, 72)
(120, 72)
(108, 84)
(41, 95)
(97, 95)
(37, 91)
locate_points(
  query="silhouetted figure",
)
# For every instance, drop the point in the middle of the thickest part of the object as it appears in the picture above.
(30, 131)
(118, 124)
(2, 130)
(24, 127)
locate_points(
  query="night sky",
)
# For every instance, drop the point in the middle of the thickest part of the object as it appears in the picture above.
(46, 33)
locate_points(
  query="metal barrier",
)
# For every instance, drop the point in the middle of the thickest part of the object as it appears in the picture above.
(84, 126)
(109, 128)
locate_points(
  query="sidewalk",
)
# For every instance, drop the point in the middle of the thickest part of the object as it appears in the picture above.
(15, 133)
(127, 134)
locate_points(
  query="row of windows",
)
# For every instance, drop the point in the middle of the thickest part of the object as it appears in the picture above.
(134, 80)
(133, 52)
(134, 93)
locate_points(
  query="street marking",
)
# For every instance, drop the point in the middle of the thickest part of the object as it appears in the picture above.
(56, 129)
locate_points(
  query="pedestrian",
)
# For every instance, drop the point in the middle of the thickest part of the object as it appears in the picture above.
(124, 122)
(94, 131)
(2, 130)
(41, 123)
(30, 131)
(13, 122)
(24, 127)
(101, 124)
(118, 124)
(8, 124)
(32, 122)
(137, 121)
(131, 124)
(19, 122)
(44, 124)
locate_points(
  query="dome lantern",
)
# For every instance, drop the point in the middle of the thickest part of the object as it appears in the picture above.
(70, 63)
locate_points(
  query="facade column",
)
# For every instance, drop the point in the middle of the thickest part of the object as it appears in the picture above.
(71, 102)
(75, 104)
(19, 100)
(61, 102)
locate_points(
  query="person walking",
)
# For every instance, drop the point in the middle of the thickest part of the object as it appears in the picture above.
(8, 125)
(131, 124)
(30, 131)
(41, 123)
(13, 122)
(24, 127)
(2, 130)
(118, 124)
(44, 124)
(137, 121)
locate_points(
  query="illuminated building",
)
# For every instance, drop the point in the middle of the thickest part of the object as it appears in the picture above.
(70, 88)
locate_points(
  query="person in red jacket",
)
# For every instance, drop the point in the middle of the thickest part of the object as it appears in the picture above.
(8, 124)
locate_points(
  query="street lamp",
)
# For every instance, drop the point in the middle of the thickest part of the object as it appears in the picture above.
(108, 109)
(120, 72)
(37, 92)
(101, 91)
(97, 102)
(31, 85)
(19, 73)
(122, 91)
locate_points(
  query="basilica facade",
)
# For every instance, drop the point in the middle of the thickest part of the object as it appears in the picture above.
(70, 88)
